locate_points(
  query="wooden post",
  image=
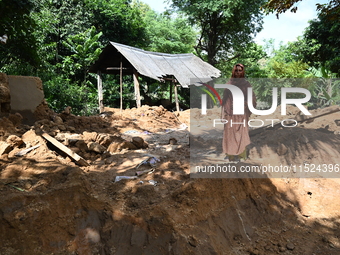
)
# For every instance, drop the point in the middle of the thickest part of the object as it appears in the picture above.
(176, 98)
(100, 92)
(137, 90)
(121, 85)
(171, 84)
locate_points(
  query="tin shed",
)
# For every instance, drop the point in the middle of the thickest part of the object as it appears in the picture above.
(181, 69)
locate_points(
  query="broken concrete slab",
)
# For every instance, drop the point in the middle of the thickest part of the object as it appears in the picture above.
(26, 96)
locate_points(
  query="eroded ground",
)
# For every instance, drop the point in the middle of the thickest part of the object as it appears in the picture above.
(52, 204)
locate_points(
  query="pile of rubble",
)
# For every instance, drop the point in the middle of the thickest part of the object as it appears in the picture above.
(64, 132)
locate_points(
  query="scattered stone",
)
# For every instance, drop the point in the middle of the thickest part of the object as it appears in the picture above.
(57, 120)
(254, 251)
(104, 139)
(119, 144)
(90, 136)
(82, 146)
(139, 142)
(290, 246)
(61, 127)
(282, 249)
(192, 241)
(128, 145)
(67, 110)
(173, 141)
(5, 148)
(14, 140)
(96, 147)
(28, 185)
(16, 119)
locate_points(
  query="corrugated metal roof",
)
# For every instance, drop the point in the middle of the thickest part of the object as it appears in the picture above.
(186, 68)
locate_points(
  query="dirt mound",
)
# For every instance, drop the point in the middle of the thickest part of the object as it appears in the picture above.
(134, 195)
(146, 118)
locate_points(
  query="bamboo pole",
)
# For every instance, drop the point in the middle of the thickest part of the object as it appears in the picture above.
(137, 89)
(176, 98)
(121, 85)
(100, 92)
(171, 84)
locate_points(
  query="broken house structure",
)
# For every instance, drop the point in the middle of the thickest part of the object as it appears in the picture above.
(180, 69)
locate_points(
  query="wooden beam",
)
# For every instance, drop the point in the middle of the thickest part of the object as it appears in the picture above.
(121, 85)
(100, 92)
(176, 98)
(117, 68)
(170, 91)
(137, 89)
(79, 160)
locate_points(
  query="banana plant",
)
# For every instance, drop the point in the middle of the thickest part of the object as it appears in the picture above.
(326, 90)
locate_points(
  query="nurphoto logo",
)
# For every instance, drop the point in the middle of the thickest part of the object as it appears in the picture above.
(238, 105)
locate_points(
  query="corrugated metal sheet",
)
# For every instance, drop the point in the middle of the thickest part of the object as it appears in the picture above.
(186, 68)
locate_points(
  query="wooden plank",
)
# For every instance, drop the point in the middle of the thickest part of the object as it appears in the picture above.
(79, 160)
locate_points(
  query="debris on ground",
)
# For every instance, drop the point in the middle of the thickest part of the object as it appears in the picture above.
(119, 183)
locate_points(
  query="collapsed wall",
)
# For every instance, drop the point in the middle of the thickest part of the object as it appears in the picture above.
(5, 97)
(23, 95)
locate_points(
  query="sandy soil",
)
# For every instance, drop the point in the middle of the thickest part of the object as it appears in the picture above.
(52, 204)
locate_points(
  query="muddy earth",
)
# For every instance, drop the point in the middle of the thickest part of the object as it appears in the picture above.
(120, 183)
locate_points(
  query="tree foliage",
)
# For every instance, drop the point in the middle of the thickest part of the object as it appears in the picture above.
(278, 6)
(18, 26)
(168, 34)
(223, 25)
(251, 56)
(86, 49)
(323, 36)
(68, 35)
(118, 20)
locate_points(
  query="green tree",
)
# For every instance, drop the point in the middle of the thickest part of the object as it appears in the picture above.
(118, 20)
(18, 26)
(86, 48)
(223, 25)
(283, 68)
(167, 34)
(279, 6)
(322, 36)
(58, 20)
(251, 56)
(325, 88)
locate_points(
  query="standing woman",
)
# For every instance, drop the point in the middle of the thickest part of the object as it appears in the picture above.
(236, 136)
